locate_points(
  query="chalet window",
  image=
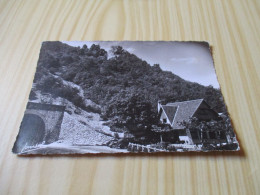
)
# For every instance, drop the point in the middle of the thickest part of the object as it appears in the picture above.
(182, 133)
(204, 135)
(195, 135)
(218, 134)
(222, 135)
(164, 120)
(212, 135)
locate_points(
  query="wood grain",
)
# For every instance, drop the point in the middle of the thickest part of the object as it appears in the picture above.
(232, 27)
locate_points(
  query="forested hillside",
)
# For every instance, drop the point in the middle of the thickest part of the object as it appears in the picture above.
(125, 87)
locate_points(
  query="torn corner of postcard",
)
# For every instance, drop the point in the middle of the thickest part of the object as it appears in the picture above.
(125, 97)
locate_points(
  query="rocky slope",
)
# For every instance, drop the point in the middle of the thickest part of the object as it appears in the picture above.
(78, 126)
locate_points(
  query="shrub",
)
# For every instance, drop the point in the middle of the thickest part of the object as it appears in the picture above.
(171, 148)
(48, 84)
(78, 101)
(67, 92)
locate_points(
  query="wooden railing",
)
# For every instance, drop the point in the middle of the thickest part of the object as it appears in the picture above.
(141, 148)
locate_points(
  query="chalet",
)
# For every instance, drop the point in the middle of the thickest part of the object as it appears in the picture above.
(174, 114)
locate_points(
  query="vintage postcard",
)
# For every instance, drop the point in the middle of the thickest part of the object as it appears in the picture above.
(123, 97)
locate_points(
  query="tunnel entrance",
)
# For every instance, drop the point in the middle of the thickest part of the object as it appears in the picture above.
(32, 132)
(41, 124)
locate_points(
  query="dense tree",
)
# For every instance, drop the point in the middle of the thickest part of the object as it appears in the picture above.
(223, 127)
(126, 87)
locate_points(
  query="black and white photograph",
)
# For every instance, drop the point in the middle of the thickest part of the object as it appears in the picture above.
(125, 97)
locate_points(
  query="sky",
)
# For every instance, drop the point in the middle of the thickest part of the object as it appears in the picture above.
(191, 61)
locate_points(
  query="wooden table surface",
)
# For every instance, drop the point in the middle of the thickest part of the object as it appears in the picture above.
(231, 27)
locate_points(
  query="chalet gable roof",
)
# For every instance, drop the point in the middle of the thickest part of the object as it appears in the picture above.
(170, 112)
(178, 112)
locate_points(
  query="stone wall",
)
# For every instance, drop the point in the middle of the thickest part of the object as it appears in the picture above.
(52, 116)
